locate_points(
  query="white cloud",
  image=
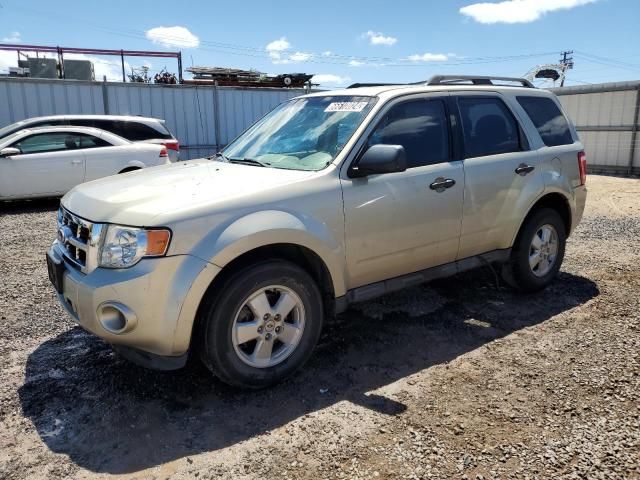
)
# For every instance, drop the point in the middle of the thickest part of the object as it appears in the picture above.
(517, 11)
(7, 59)
(279, 45)
(277, 52)
(173, 37)
(275, 49)
(330, 79)
(429, 57)
(378, 38)
(14, 37)
(358, 63)
(327, 53)
(300, 57)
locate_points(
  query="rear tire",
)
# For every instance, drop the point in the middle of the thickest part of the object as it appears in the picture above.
(261, 325)
(538, 252)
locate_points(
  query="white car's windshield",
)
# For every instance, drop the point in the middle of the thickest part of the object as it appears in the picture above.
(302, 134)
(14, 127)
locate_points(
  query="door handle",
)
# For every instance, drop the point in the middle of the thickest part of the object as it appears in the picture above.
(441, 184)
(524, 169)
(76, 162)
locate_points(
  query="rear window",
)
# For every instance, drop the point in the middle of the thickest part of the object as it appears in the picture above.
(136, 131)
(131, 130)
(548, 119)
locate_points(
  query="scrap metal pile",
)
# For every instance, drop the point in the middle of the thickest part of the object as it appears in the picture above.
(231, 77)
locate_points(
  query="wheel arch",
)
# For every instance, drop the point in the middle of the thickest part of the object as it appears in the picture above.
(299, 255)
(555, 201)
(271, 234)
(279, 232)
(131, 168)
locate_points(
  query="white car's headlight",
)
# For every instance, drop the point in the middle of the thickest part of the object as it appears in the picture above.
(123, 247)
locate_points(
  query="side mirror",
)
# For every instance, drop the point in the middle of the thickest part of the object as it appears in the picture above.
(380, 159)
(9, 152)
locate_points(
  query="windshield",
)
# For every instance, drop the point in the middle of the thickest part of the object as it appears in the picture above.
(14, 127)
(9, 139)
(302, 134)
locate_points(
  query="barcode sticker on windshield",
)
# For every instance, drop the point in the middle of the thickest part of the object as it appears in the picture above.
(346, 107)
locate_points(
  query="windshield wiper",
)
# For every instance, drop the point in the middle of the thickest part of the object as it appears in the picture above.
(219, 155)
(248, 161)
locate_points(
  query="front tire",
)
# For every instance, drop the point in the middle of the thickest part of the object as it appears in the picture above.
(261, 325)
(538, 252)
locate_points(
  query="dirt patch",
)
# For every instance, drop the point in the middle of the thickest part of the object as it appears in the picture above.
(462, 378)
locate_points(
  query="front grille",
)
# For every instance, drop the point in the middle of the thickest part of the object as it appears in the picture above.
(78, 239)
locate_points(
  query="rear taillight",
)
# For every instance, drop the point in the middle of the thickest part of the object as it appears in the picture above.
(582, 166)
(173, 146)
(163, 152)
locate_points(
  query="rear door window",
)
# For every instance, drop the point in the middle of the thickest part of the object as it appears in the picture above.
(548, 119)
(489, 127)
(89, 141)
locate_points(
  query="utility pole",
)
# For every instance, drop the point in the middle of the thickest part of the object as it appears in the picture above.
(566, 63)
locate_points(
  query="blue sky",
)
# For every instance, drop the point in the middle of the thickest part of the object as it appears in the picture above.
(345, 41)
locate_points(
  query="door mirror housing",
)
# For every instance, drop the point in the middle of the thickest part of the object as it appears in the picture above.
(380, 159)
(9, 152)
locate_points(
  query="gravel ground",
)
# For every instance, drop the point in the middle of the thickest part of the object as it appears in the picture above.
(459, 379)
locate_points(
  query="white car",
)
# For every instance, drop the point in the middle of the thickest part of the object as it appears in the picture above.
(134, 128)
(50, 161)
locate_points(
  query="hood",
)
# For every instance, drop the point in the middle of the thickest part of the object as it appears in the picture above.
(159, 195)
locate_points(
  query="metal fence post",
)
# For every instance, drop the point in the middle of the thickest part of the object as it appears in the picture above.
(216, 114)
(105, 95)
(634, 132)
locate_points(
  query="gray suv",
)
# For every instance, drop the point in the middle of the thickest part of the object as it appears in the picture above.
(332, 198)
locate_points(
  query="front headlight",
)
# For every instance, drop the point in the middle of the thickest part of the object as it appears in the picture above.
(123, 247)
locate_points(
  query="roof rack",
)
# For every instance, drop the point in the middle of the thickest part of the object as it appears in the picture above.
(358, 85)
(475, 80)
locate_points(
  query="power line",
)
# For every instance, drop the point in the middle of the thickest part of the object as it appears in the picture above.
(611, 65)
(609, 60)
(314, 57)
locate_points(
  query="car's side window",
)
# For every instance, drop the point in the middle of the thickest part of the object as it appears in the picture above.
(83, 122)
(47, 142)
(420, 126)
(548, 119)
(89, 141)
(114, 126)
(136, 131)
(489, 127)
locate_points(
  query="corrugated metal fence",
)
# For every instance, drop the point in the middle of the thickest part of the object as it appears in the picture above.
(607, 119)
(201, 117)
(205, 117)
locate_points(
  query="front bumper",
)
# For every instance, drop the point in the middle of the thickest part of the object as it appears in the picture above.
(160, 297)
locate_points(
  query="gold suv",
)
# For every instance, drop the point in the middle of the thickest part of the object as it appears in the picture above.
(332, 198)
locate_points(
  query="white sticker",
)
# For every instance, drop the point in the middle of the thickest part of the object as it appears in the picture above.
(346, 107)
